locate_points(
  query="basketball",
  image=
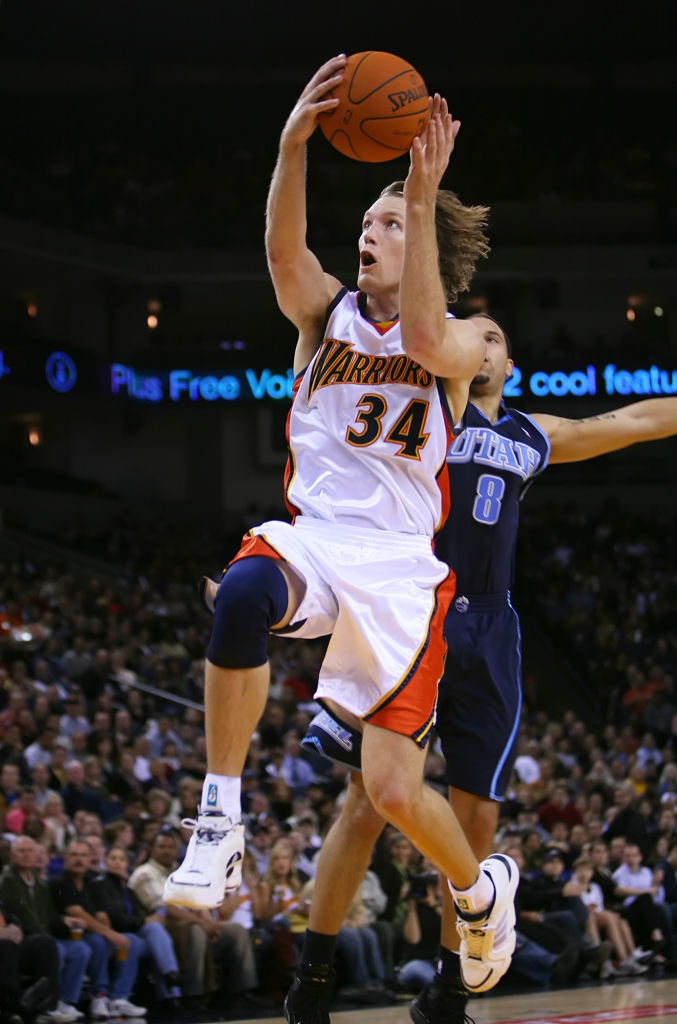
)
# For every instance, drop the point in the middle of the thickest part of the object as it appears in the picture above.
(383, 105)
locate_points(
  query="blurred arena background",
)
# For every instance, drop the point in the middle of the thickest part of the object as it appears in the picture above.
(145, 368)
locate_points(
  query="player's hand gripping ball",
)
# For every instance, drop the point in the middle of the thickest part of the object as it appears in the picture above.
(383, 105)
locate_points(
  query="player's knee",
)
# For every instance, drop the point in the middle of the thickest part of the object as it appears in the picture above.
(252, 597)
(391, 796)
(365, 821)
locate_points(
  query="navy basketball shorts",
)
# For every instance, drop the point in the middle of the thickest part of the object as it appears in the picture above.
(480, 695)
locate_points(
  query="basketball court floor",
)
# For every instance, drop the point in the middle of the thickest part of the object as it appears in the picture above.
(637, 1001)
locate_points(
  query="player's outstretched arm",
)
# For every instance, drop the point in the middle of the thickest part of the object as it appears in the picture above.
(302, 289)
(574, 440)
(447, 348)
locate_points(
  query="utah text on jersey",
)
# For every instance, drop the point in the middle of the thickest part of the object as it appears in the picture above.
(485, 447)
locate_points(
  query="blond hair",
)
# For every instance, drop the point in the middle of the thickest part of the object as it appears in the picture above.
(461, 238)
(292, 879)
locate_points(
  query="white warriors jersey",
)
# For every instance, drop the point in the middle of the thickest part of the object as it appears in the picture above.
(368, 430)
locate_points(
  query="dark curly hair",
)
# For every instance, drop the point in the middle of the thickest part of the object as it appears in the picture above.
(461, 238)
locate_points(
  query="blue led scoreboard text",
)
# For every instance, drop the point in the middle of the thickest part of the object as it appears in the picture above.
(67, 373)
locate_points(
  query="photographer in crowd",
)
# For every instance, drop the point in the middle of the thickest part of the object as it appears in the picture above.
(421, 930)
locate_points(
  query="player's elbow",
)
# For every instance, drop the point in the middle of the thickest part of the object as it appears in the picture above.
(278, 255)
(284, 277)
(424, 344)
(284, 244)
(448, 348)
(418, 346)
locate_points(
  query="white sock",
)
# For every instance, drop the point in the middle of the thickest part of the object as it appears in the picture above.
(221, 793)
(478, 898)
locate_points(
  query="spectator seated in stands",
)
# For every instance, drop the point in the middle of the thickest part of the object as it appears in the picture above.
(73, 895)
(23, 807)
(190, 930)
(559, 808)
(551, 913)
(158, 804)
(421, 931)
(74, 718)
(215, 955)
(119, 908)
(40, 751)
(40, 781)
(46, 939)
(33, 959)
(77, 796)
(643, 897)
(10, 785)
(294, 767)
(601, 921)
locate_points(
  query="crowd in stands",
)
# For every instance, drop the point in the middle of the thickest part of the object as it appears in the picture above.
(102, 754)
(602, 584)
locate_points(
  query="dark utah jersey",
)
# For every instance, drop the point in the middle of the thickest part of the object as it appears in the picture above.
(490, 466)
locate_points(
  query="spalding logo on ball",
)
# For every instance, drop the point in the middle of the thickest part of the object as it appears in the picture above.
(383, 105)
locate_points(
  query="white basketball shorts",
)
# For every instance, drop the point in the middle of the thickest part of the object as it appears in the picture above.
(382, 597)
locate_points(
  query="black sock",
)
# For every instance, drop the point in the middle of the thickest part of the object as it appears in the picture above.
(318, 950)
(449, 964)
(449, 970)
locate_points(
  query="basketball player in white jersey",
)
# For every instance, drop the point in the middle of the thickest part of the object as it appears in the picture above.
(382, 376)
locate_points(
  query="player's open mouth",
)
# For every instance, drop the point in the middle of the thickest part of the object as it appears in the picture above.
(366, 259)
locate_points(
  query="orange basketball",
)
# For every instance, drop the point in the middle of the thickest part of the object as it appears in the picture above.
(383, 104)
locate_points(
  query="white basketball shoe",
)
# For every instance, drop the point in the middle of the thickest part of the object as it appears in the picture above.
(212, 865)
(488, 941)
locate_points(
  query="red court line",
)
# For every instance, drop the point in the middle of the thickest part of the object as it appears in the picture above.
(600, 1016)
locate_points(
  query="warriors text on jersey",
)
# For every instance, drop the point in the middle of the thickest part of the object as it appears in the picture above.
(490, 466)
(368, 430)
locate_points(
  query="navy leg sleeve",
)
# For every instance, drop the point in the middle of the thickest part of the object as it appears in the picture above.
(252, 597)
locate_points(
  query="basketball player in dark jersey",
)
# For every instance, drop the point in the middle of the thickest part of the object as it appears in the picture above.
(491, 463)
